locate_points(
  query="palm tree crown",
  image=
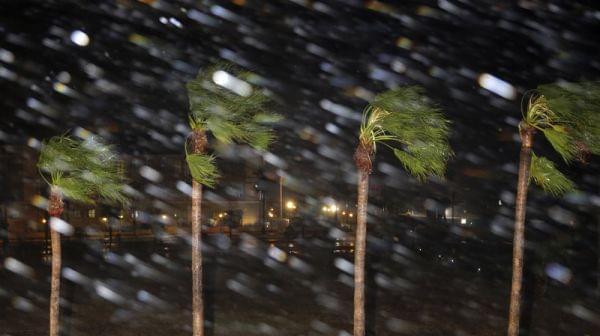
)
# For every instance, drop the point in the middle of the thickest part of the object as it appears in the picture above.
(224, 103)
(412, 128)
(82, 170)
(568, 116)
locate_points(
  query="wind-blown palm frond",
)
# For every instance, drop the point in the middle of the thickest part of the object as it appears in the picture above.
(83, 170)
(259, 137)
(569, 116)
(579, 105)
(223, 103)
(415, 130)
(75, 189)
(551, 180)
(562, 142)
(203, 169)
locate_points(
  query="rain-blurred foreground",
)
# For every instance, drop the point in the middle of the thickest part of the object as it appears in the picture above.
(289, 285)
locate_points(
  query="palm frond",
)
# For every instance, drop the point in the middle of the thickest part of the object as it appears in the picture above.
(562, 143)
(83, 170)
(203, 169)
(258, 137)
(113, 192)
(424, 160)
(75, 189)
(570, 107)
(417, 132)
(226, 131)
(229, 116)
(551, 180)
(60, 154)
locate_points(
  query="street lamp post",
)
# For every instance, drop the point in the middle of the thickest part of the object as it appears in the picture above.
(281, 197)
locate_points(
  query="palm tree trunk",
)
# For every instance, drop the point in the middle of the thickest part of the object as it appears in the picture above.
(197, 302)
(55, 209)
(519, 234)
(359, 254)
(362, 158)
(199, 143)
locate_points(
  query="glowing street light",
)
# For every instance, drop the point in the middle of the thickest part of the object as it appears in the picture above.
(290, 205)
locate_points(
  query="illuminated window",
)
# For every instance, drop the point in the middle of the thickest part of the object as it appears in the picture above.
(92, 213)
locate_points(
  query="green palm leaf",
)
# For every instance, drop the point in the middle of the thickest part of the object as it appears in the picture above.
(562, 143)
(568, 114)
(259, 137)
(230, 116)
(414, 165)
(203, 169)
(575, 108)
(417, 132)
(112, 192)
(83, 170)
(551, 180)
(226, 131)
(75, 189)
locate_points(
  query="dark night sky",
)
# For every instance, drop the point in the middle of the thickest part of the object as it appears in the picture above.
(321, 60)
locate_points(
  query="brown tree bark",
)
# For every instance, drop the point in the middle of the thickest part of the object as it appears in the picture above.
(519, 233)
(199, 144)
(55, 209)
(362, 158)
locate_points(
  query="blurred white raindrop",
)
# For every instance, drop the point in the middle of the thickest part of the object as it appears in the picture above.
(150, 174)
(232, 83)
(61, 226)
(80, 38)
(497, 86)
(18, 267)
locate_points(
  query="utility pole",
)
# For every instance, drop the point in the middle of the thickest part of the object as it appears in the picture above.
(281, 196)
(453, 195)
(263, 208)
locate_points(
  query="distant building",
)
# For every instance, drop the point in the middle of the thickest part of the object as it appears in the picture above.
(160, 187)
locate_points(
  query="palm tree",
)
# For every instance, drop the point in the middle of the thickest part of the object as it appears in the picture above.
(224, 103)
(404, 121)
(80, 171)
(568, 115)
